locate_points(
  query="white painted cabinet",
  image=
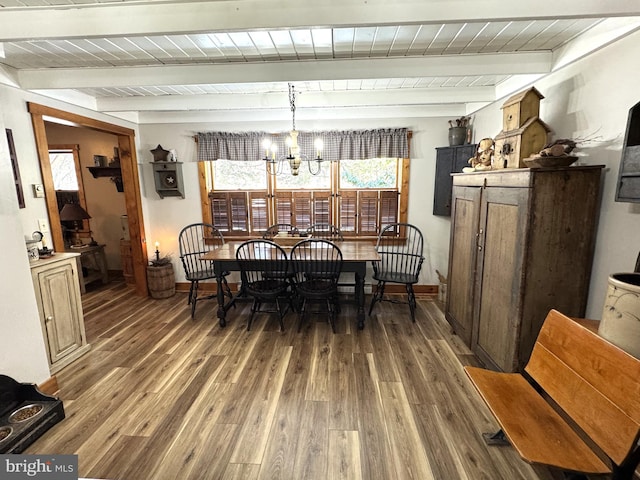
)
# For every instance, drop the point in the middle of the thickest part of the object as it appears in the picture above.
(55, 281)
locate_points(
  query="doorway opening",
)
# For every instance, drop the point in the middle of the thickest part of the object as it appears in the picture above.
(129, 174)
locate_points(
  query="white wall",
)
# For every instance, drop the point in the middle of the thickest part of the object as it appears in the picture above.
(590, 100)
(22, 350)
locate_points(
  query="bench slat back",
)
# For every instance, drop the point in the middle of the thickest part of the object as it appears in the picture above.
(594, 382)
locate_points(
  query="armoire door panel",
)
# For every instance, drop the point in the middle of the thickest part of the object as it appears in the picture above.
(465, 215)
(499, 281)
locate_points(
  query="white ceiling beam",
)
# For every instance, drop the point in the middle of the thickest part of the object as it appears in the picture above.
(314, 70)
(118, 19)
(306, 119)
(353, 98)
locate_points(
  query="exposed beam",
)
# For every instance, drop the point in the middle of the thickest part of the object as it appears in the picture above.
(229, 101)
(315, 70)
(117, 19)
(305, 118)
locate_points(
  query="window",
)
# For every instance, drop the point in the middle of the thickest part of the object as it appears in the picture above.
(369, 195)
(361, 186)
(372, 173)
(63, 169)
(358, 196)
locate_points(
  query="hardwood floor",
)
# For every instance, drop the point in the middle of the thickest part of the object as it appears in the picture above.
(160, 396)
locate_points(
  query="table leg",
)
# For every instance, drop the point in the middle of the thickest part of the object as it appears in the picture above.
(222, 311)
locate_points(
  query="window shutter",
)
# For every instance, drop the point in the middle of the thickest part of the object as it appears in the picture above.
(321, 208)
(302, 210)
(368, 215)
(219, 211)
(388, 208)
(283, 207)
(259, 214)
(239, 212)
(348, 212)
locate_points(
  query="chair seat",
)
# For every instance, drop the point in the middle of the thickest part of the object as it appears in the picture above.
(268, 288)
(317, 288)
(395, 277)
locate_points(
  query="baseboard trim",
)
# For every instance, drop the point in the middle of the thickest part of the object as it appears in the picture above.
(49, 386)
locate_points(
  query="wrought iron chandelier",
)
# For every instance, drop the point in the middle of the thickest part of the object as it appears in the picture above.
(294, 157)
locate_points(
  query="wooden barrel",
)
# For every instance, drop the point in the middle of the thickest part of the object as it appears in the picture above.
(161, 281)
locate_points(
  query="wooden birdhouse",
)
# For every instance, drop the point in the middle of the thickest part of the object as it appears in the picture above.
(523, 133)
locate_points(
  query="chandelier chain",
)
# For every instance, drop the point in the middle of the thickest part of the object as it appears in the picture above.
(292, 104)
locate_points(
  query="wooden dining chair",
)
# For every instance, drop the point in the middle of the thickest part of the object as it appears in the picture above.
(264, 268)
(194, 241)
(400, 246)
(317, 264)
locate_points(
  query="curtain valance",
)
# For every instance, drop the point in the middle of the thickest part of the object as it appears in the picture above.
(338, 145)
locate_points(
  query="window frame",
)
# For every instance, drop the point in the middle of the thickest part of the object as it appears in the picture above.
(335, 194)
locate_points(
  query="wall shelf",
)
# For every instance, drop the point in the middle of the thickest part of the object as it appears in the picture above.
(115, 173)
(98, 172)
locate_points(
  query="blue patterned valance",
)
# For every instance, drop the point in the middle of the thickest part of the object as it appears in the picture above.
(338, 145)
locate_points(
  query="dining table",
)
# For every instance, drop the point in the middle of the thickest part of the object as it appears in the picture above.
(355, 256)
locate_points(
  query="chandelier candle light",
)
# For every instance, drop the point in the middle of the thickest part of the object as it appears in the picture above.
(294, 157)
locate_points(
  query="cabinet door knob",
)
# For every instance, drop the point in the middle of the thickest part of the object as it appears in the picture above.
(49, 318)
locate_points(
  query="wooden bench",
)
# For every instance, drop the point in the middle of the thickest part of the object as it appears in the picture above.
(596, 386)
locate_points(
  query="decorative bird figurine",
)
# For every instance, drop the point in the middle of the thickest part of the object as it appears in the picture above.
(558, 148)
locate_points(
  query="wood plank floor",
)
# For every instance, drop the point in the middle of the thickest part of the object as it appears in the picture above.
(160, 396)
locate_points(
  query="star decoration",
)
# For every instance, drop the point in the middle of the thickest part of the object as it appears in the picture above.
(159, 154)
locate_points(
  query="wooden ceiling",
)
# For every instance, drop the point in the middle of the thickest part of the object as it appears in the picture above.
(423, 58)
